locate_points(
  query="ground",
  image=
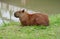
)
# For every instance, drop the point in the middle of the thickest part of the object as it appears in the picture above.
(15, 31)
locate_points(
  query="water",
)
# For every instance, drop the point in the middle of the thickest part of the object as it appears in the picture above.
(0, 22)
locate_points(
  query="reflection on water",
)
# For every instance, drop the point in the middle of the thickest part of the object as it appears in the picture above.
(0, 21)
(7, 12)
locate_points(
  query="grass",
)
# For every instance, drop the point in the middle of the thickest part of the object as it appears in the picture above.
(14, 31)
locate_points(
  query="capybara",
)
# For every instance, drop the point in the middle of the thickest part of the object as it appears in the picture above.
(27, 19)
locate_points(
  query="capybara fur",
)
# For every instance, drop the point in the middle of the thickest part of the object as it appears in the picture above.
(32, 19)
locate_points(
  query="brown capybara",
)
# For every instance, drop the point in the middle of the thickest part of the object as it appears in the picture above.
(32, 19)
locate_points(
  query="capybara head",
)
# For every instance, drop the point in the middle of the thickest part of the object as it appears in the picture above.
(18, 14)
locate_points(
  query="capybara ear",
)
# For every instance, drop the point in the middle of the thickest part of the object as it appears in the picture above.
(23, 11)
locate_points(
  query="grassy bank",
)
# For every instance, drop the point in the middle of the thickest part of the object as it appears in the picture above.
(14, 31)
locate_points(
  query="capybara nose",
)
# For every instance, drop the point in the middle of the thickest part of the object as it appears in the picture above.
(15, 15)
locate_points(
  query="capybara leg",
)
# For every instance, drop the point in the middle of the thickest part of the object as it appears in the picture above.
(45, 24)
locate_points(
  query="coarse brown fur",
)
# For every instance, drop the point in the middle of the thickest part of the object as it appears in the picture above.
(32, 19)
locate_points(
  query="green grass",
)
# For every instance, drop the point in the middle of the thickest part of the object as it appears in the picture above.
(14, 31)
